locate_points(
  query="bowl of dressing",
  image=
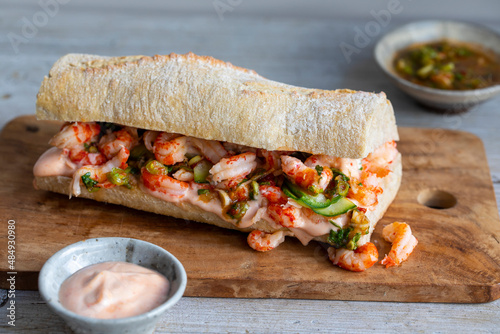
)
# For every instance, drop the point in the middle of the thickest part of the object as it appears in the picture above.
(112, 285)
(446, 65)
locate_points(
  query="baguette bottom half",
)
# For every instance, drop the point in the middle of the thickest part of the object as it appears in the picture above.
(136, 199)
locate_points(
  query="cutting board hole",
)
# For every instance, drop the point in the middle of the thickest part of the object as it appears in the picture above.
(436, 199)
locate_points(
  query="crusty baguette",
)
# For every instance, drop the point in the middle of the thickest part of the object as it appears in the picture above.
(208, 98)
(135, 198)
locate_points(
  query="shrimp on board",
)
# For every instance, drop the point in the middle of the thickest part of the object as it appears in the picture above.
(314, 179)
(403, 243)
(263, 242)
(359, 259)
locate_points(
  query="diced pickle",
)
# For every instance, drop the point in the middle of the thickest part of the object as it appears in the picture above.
(201, 171)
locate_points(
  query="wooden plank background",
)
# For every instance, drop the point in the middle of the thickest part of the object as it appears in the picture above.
(297, 43)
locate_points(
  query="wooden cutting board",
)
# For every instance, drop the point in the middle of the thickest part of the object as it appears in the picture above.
(457, 258)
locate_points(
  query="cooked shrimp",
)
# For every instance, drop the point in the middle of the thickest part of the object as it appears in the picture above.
(164, 184)
(379, 160)
(81, 157)
(170, 151)
(183, 175)
(235, 166)
(286, 215)
(149, 138)
(360, 259)
(263, 242)
(72, 138)
(230, 184)
(98, 173)
(350, 167)
(111, 143)
(403, 243)
(313, 179)
(273, 194)
(365, 194)
(365, 187)
(75, 134)
(212, 150)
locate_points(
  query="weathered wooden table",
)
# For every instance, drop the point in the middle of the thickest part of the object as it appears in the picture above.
(294, 43)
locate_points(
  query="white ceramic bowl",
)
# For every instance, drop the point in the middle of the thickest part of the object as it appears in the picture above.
(68, 260)
(428, 31)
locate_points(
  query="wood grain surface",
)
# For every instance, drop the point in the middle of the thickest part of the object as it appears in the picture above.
(457, 259)
(293, 42)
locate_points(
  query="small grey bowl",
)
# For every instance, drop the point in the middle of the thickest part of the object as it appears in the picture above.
(428, 31)
(74, 257)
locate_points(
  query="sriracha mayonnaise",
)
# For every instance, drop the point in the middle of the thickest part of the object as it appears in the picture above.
(113, 290)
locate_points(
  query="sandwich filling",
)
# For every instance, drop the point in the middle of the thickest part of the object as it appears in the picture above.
(296, 193)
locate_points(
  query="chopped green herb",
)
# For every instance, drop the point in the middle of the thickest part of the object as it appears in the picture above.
(265, 183)
(340, 237)
(89, 183)
(360, 184)
(319, 169)
(353, 243)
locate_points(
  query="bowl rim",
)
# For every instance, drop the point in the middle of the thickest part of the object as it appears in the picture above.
(58, 308)
(454, 93)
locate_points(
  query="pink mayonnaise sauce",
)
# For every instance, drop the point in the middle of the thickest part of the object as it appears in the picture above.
(54, 163)
(111, 290)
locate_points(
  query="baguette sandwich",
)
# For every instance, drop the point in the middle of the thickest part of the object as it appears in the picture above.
(197, 138)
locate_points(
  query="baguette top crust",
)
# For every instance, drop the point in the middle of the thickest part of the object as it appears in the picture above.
(203, 97)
